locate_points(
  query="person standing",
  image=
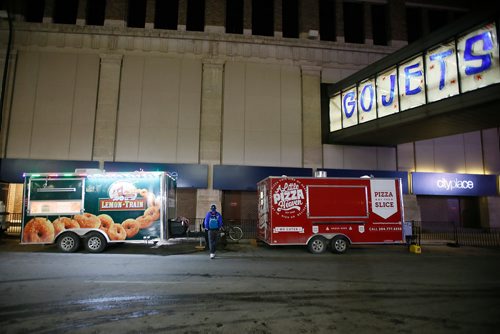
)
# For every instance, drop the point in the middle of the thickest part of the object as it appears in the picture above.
(212, 224)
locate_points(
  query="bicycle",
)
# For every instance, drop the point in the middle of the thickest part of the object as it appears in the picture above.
(235, 233)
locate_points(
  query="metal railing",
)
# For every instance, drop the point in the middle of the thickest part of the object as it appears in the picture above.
(14, 219)
(248, 226)
(449, 233)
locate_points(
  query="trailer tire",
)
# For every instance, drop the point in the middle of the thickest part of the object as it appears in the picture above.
(68, 242)
(95, 242)
(317, 245)
(339, 244)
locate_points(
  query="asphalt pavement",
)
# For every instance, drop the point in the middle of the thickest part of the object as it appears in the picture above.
(248, 288)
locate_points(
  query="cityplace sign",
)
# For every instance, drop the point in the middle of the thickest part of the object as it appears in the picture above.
(460, 65)
(448, 184)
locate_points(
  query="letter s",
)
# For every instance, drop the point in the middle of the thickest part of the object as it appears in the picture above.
(484, 58)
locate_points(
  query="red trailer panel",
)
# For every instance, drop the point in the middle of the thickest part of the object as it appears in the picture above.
(336, 212)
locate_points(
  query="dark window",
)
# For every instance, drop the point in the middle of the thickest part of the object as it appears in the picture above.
(379, 24)
(166, 14)
(354, 22)
(414, 23)
(195, 20)
(327, 20)
(65, 11)
(95, 12)
(263, 17)
(34, 10)
(290, 11)
(437, 19)
(234, 16)
(136, 13)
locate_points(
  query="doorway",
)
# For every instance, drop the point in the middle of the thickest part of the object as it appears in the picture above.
(460, 211)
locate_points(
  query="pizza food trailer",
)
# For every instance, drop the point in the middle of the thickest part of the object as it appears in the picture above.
(97, 208)
(322, 212)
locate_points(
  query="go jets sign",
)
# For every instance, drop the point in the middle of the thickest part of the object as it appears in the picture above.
(467, 63)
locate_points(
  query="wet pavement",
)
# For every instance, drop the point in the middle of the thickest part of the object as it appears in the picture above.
(248, 289)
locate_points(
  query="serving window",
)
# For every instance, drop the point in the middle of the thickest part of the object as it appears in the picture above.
(337, 201)
(56, 196)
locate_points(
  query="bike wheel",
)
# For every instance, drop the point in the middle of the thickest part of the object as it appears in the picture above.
(235, 233)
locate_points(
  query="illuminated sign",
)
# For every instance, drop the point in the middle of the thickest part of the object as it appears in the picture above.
(458, 66)
(454, 184)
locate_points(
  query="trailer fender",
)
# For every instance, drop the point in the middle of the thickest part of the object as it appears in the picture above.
(83, 232)
(329, 236)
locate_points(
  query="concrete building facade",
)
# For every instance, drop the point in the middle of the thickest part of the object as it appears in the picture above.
(125, 90)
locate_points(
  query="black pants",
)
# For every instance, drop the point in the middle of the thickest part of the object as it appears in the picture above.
(213, 235)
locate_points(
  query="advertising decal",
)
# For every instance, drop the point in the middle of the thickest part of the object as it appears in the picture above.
(383, 193)
(288, 198)
(125, 209)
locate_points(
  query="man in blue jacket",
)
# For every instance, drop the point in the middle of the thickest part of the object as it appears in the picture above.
(212, 224)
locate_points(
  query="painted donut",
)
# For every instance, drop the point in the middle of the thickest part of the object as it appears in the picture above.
(131, 227)
(39, 230)
(144, 221)
(106, 222)
(153, 212)
(151, 199)
(143, 192)
(117, 232)
(87, 220)
(64, 223)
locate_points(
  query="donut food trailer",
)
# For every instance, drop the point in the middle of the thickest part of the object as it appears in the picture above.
(322, 212)
(97, 208)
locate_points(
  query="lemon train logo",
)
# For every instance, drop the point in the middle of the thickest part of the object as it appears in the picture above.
(288, 198)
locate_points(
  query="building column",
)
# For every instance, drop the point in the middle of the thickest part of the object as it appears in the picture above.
(339, 21)
(278, 19)
(7, 102)
(311, 117)
(397, 22)
(150, 14)
(368, 31)
(182, 15)
(116, 13)
(308, 19)
(210, 131)
(107, 108)
(215, 14)
(48, 12)
(247, 17)
(81, 14)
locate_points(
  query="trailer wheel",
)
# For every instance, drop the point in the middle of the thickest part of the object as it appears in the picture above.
(95, 242)
(340, 244)
(317, 245)
(68, 242)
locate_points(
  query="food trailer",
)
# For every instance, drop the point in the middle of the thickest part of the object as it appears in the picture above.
(97, 208)
(323, 212)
